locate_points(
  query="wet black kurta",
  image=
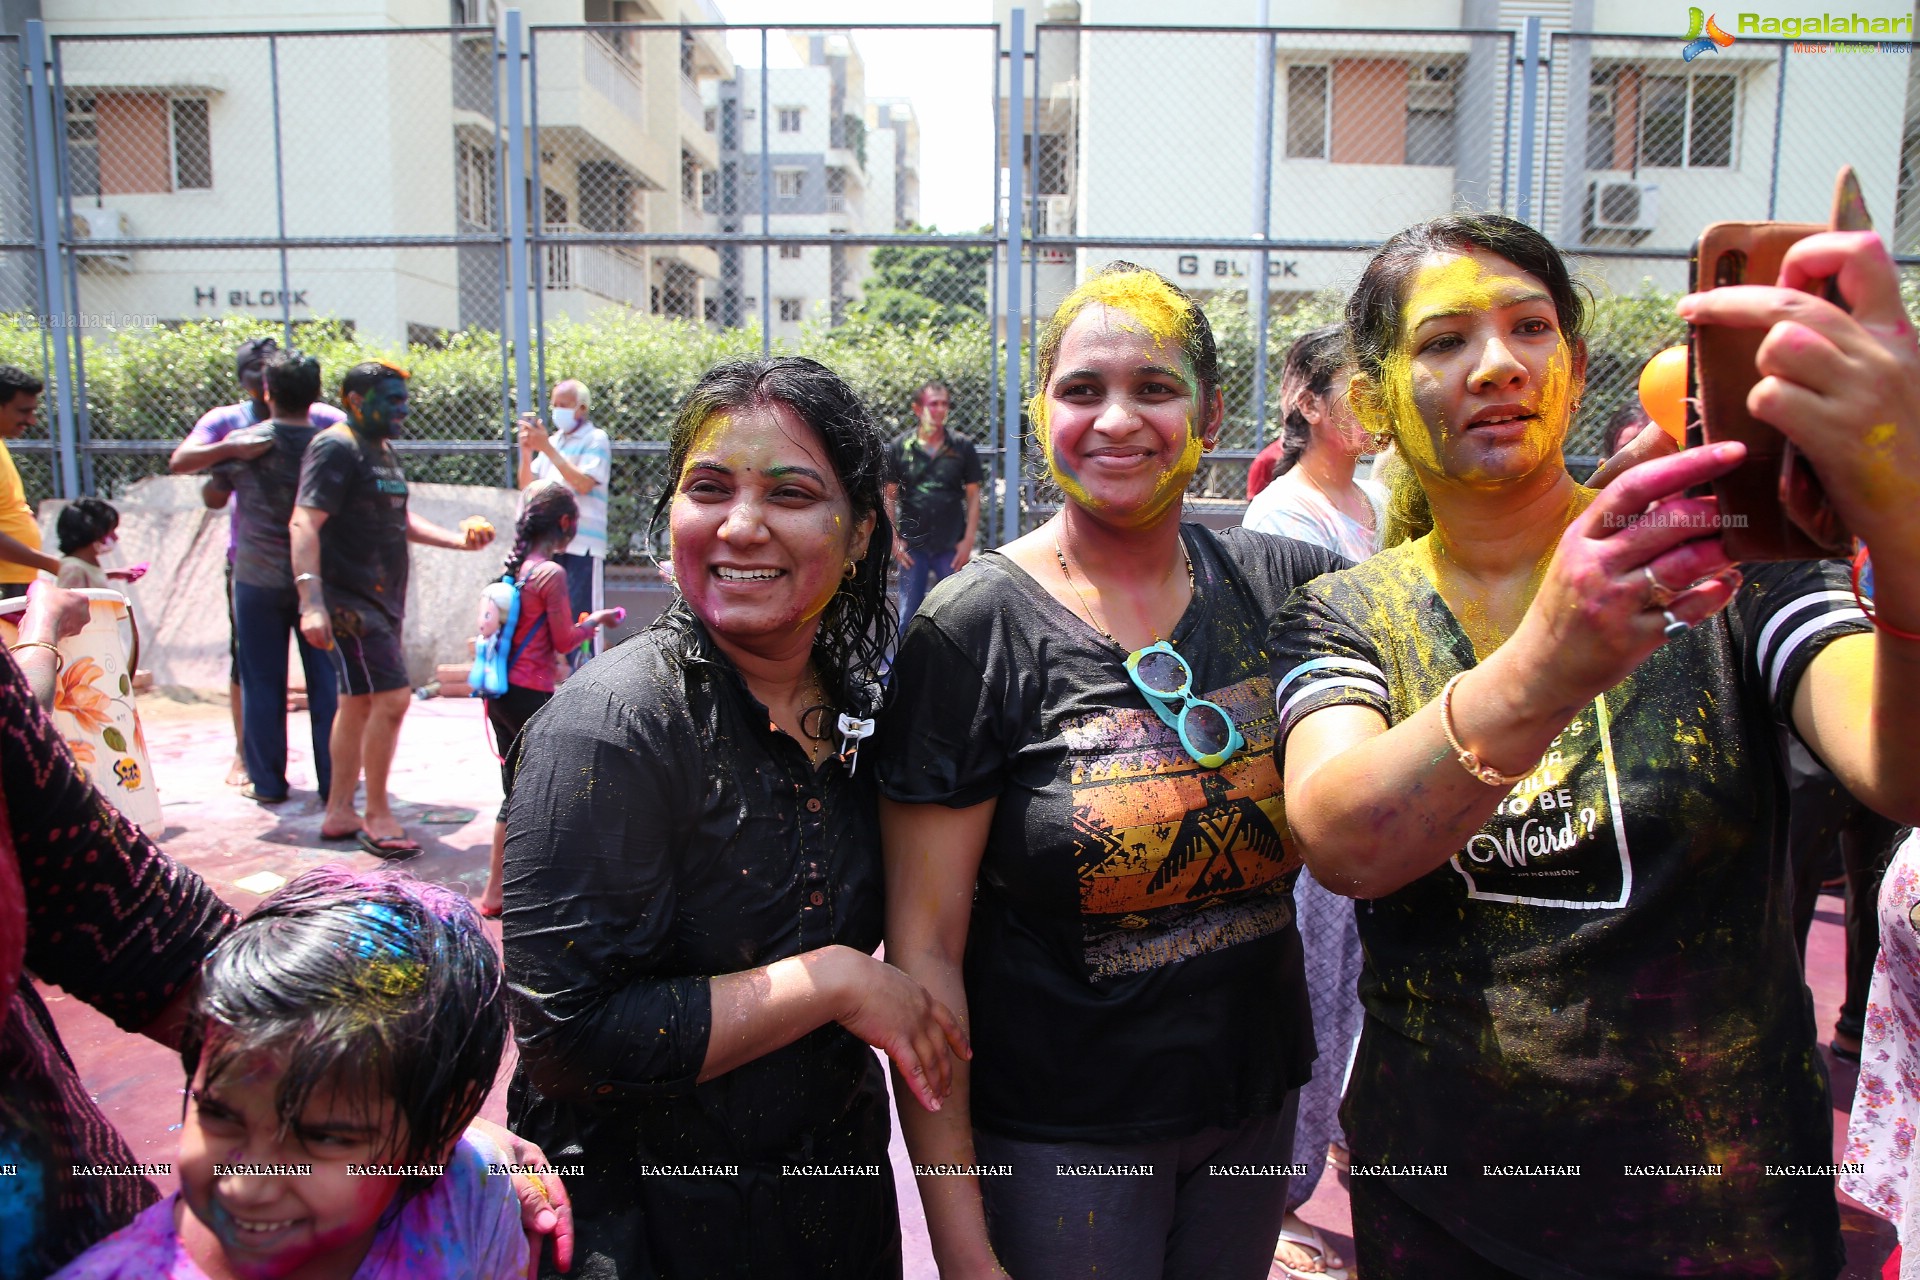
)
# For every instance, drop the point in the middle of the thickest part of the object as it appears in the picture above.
(660, 832)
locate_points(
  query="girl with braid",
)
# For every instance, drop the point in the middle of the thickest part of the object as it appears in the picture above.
(548, 519)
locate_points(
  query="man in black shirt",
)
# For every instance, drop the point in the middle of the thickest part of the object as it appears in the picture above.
(265, 607)
(933, 496)
(350, 573)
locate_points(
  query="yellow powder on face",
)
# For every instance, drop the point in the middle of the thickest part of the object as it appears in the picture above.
(1144, 302)
(1460, 283)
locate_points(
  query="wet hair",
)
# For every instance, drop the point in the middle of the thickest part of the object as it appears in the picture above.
(1312, 360)
(1375, 312)
(367, 375)
(1130, 287)
(83, 522)
(920, 396)
(377, 983)
(292, 381)
(543, 511)
(14, 380)
(857, 629)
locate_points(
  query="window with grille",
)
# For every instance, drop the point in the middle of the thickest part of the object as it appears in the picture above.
(1307, 112)
(475, 185)
(1430, 115)
(791, 309)
(83, 145)
(787, 183)
(1687, 121)
(192, 146)
(689, 177)
(790, 252)
(789, 119)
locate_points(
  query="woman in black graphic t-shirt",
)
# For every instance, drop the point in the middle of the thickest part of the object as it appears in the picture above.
(1543, 741)
(1096, 875)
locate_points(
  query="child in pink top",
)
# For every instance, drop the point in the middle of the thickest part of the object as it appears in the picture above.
(548, 519)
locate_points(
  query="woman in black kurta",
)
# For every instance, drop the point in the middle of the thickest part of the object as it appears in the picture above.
(693, 873)
(1588, 1051)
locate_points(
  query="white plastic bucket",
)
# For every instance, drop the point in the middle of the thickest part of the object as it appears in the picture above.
(93, 705)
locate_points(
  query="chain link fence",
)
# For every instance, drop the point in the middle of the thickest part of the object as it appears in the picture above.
(688, 193)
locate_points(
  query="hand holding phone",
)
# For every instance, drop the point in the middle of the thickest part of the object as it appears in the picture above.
(1774, 505)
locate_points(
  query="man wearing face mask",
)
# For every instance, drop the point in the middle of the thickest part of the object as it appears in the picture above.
(577, 454)
(349, 536)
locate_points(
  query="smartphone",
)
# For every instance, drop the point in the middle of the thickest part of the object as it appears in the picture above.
(1772, 506)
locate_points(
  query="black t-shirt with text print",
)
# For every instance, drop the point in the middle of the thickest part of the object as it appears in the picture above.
(1606, 975)
(1133, 972)
(357, 481)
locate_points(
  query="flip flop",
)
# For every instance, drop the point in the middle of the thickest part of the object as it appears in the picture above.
(392, 849)
(248, 791)
(1313, 1243)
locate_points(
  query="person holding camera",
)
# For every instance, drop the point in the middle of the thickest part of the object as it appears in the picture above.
(1544, 742)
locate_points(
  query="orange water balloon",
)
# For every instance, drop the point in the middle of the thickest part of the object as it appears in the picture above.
(1663, 391)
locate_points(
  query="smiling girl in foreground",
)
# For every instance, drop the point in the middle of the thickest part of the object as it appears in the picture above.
(1085, 849)
(346, 1033)
(1544, 743)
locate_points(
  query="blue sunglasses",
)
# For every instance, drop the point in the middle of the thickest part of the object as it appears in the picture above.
(1206, 730)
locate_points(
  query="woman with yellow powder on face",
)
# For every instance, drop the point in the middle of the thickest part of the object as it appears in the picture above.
(1084, 845)
(1543, 742)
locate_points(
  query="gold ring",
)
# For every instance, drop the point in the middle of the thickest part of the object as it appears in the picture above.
(1659, 595)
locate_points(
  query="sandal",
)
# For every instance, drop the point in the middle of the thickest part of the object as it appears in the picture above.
(1308, 1238)
(250, 792)
(391, 849)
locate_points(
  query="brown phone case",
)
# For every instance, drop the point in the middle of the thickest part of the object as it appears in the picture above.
(1772, 505)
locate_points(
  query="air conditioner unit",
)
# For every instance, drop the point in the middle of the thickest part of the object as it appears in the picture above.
(1059, 215)
(94, 233)
(1623, 204)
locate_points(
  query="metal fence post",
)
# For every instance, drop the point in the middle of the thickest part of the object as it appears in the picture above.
(1262, 220)
(1529, 93)
(280, 192)
(1010, 424)
(766, 211)
(1779, 130)
(517, 213)
(39, 69)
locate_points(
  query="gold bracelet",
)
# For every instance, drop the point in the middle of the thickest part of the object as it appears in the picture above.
(59, 659)
(1470, 761)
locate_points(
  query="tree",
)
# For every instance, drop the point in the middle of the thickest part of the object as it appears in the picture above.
(914, 284)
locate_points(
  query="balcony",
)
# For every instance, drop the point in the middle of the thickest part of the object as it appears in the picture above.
(593, 108)
(598, 269)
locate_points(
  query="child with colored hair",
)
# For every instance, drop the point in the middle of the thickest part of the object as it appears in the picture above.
(343, 1038)
(549, 517)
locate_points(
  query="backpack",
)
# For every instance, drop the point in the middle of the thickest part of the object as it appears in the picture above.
(499, 616)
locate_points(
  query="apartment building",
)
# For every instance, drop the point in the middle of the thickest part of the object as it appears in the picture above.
(1374, 129)
(360, 118)
(838, 165)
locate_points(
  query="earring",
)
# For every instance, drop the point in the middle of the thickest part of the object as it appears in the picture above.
(850, 569)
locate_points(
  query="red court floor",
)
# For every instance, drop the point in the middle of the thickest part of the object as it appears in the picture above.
(445, 772)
